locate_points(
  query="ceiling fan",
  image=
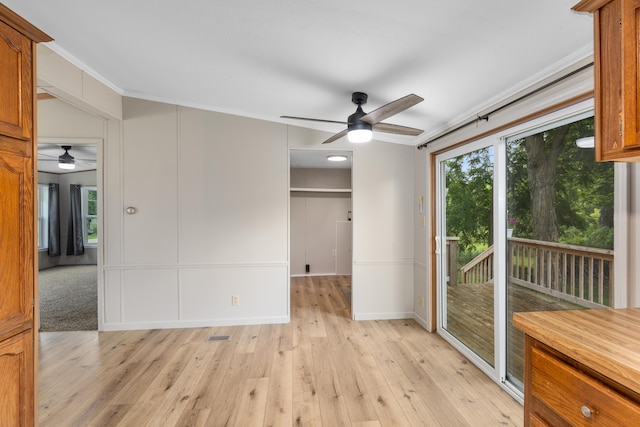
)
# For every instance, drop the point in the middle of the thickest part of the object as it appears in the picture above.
(65, 160)
(360, 124)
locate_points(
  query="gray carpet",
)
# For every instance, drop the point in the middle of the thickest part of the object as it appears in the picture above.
(68, 297)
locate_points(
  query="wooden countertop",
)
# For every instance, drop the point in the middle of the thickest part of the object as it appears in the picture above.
(607, 341)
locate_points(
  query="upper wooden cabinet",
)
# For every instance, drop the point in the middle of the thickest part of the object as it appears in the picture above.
(18, 291)
(617, 87)
(17, 96)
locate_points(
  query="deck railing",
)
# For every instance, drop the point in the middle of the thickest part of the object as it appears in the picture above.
(578, 274)
(479, 269)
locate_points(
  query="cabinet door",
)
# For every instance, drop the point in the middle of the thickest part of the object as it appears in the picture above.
(617, 79)
(630, 76)
(16, 244)
(17, 380)
(16, 102)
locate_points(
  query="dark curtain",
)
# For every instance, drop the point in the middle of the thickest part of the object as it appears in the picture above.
(75, 245)
(54, 220)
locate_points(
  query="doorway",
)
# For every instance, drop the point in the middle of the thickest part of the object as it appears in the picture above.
(69, 210)
(321, 216)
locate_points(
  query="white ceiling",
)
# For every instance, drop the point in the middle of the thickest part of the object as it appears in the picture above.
(306, 159)
(265, 59)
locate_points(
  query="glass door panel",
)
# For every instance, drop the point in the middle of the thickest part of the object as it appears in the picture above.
(559, 227)
(467, 286)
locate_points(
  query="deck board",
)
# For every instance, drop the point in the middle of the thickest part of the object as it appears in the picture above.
(471, 318)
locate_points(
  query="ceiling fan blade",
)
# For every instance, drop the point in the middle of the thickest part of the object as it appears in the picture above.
(391, 109)
(336, 136)
(87, 162)
(313, 120)
(397, 129)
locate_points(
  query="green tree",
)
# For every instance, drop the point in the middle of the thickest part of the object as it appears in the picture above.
(556, 191)
(469, 181)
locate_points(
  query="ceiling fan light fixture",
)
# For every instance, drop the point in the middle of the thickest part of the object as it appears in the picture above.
(360, 135)
(336, 158)
(66, 160)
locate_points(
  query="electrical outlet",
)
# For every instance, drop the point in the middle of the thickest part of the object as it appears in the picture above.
(421, 301)
(235, 300)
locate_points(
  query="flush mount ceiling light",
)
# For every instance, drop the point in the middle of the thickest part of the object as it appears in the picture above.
(66, 160)
(588, 142)
(336, 158)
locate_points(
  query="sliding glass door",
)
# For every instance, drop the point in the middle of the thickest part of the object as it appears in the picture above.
(524, 223)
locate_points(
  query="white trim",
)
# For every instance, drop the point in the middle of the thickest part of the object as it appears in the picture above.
(384, 316)
(420, 265)
(55, 47)
(405, 261)
(422, 322)
(318, 275)
(195, 266)
(621, 230)
(127, 326)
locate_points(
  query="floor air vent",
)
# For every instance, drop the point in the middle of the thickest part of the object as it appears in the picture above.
(219, 338)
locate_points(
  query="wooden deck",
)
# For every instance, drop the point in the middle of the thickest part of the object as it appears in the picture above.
(471, 319)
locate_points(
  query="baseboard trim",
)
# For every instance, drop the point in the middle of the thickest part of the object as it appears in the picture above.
(181, 324)
(383, 316)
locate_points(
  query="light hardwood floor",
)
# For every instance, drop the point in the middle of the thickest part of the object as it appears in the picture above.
(322, 369)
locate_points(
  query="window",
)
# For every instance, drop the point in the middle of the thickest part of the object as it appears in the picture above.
(90, 216)
(43, 216)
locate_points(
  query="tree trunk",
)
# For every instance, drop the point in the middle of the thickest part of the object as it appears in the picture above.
(543, 150)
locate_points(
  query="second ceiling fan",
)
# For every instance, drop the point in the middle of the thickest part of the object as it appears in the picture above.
(360, 124)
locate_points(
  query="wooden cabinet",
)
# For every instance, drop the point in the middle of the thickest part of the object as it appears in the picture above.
(16, 379)
(617, 74)
(582, 367)
(16, 101)
(16, 241)
(17, 235)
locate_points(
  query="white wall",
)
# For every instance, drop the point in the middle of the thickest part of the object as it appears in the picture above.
(211, 196)
(383, 232)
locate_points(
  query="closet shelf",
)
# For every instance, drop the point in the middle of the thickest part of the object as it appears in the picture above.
(322, 190)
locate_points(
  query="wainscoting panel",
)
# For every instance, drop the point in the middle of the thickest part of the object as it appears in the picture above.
(150, 296)
(174, 296)
(383, 290)
(262, 291)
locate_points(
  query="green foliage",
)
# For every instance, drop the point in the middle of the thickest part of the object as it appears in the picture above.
(470, 197)
(583, 192)
(92, 202)
(583, 189)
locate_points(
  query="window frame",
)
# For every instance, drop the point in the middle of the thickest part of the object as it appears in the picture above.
(43, 218)
(84, 191)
